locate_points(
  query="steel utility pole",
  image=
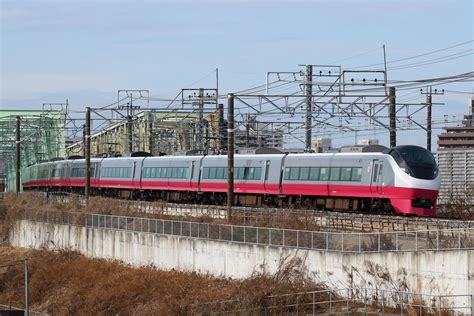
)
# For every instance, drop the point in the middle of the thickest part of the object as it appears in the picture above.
(130, 125)
(199, 124)
(17, 164)
(88, 153)
(392, 117)
(230, 155)
(220, 111)
(27, 289)
(429, 107)
(309, 112)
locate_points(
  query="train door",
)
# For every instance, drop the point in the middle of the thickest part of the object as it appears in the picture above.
(191, 174)
(377, 177)
(267, 171)
(135, 173)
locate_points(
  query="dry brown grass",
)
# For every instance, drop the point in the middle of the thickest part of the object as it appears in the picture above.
(66, 282)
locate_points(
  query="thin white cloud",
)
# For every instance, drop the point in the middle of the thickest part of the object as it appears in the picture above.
(25, 85)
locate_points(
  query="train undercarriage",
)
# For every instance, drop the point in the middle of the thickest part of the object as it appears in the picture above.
(247, 200)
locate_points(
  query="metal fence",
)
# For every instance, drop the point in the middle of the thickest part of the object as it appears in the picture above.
(442, 239)
(363, 300)
(331, 221)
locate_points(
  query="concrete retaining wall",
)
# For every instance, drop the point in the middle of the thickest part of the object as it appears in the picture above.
(430, 272)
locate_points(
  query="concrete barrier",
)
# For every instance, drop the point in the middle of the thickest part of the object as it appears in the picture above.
(429, 272)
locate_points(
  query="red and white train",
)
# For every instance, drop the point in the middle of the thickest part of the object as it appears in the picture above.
(404, 179)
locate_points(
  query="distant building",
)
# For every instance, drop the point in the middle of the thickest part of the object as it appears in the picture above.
(366, 142)
(258, 135)
(456, 161)
(321, 145)
(459, 137)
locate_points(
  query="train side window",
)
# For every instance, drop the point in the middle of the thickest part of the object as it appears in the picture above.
(346, 174)
(185, 173)
(335, 174)
(287, 173)
(356, 174)
(250, 173)
(205, 173)
(147, 173)
(314, 174)
(240, 173)
(174, 173)
(304, 173)
(220, 173)
(257, 174)
(294, 173)
(212, 173)
(324, 174)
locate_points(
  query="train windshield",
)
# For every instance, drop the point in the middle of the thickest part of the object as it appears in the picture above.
(416, 161)
(416, 155)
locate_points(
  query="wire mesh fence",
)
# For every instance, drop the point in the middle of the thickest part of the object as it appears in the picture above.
(362, 300)
(420, 240)
(325, 220)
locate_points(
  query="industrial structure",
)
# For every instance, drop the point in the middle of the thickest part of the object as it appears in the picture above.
(31, 136)
(155, 132)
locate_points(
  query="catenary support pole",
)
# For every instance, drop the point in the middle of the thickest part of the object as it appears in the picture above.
(220, 111)
(18, 157)
(27, 289)
(309, 112)
(393, 118)
(88, 154)
(230, 155)
(428, 121)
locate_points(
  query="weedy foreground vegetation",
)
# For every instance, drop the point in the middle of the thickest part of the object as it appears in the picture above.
(65, 282)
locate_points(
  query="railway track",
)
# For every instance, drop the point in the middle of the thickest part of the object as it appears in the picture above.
(321, 220)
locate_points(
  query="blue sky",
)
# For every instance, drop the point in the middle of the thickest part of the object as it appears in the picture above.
(87, 50)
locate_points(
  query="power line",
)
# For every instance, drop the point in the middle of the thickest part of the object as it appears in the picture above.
(416, 56)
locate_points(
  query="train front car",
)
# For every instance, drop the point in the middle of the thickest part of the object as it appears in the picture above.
(417, 180)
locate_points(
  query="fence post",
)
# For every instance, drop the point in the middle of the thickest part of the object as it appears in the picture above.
(342, 242)
(330, 302)
(297, 239)
(439, 308)
(327, 240)
(232, 233)
(416, 240)
(378, 242)
(459, 239)
(365, 300)
(437, 239)
(283, 230)
(359, 244)
(472, 304)
(383, 302)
